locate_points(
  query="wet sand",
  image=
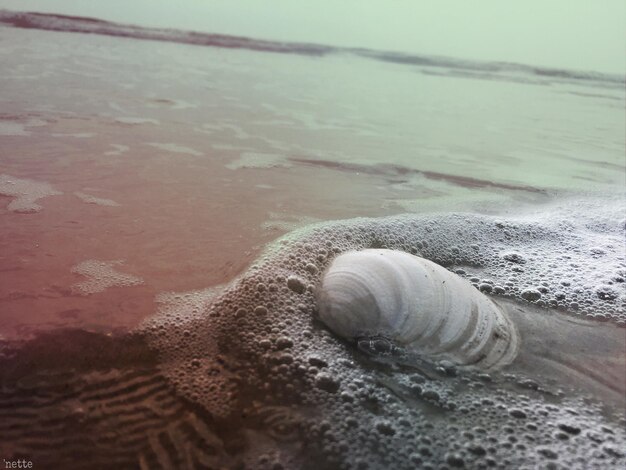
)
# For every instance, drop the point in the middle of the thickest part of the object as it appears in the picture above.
(182, 223)
(178, 221)
(182, 184)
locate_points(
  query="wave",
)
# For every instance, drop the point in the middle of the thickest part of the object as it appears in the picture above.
(75, 24)
(453, 66)
(491, 68)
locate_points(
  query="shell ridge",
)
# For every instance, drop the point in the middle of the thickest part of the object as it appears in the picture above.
(416, 303)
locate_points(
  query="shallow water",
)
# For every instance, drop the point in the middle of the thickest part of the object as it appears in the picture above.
(133, 169)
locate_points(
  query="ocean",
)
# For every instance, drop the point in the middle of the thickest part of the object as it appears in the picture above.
(161, 190)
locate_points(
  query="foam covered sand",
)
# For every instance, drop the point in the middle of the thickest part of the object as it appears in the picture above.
(25, 192)
(175, 148)
(258, 160)
(89, 199)
(102, 275)
(379, 407)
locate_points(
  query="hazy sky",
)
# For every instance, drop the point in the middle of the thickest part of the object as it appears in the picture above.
(577, 34)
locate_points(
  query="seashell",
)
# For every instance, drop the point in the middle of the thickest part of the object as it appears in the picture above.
(417, 304)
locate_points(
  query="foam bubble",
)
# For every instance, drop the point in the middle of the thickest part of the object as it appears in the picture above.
(26, 193)
(75, 135)
(258, 160)
(257, 345)
(175, 148)
(102, 275)
(89, 199)
(278, 222)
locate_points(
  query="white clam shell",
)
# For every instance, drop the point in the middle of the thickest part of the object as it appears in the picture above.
(417, 304)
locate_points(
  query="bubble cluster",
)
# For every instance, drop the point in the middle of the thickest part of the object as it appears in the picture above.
(258, 160)
(101, 275)
(89, 199)
(258, 345)
(175, 148)
(26, 193)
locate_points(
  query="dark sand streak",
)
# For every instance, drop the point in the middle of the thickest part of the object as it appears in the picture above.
(391, 171)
